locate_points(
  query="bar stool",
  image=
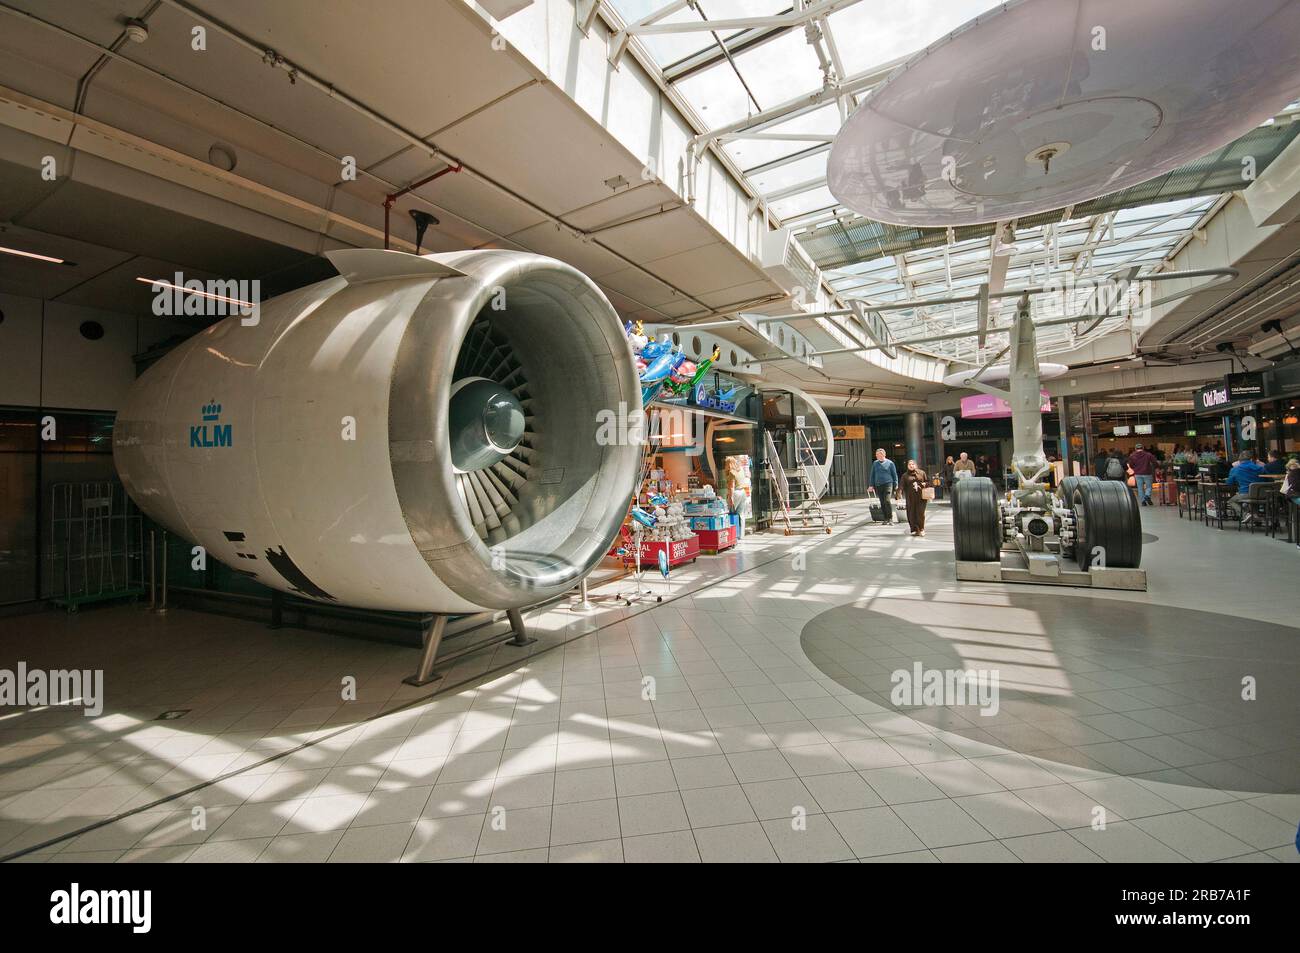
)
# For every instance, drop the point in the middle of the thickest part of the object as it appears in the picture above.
(1259, 508)
(1219, 493)
(1195, 498)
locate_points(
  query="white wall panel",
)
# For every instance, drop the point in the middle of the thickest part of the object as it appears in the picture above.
(55, 366)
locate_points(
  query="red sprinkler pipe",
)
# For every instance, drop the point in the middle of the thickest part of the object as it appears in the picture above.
(390, 199)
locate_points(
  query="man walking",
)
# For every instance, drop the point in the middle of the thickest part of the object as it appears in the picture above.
(884, 479)
(1143, 464)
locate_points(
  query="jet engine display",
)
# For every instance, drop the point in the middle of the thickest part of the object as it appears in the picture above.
(418, 434)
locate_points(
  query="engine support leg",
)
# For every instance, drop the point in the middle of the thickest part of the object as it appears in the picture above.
(432, 639)
(517, 626)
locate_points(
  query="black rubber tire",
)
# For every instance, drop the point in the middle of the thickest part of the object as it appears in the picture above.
(1066, 490)
(1107, 515)
(976, 523)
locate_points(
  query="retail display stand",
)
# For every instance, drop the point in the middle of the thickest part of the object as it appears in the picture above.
(636, 555)
(680, 551)
(714, 541)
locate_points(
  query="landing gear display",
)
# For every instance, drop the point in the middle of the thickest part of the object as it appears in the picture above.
(925, 152)
(1040, 537)
(1031, 534)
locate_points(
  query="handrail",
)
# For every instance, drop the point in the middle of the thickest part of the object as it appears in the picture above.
(778, 473)
(817, 475)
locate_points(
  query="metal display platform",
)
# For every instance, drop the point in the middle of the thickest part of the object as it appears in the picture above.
(1019, 567)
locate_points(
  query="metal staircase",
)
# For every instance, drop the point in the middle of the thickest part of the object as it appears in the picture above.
(798, 494)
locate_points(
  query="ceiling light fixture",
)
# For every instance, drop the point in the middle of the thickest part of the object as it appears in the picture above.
(31, 254)
(222, 156)
(137, 31)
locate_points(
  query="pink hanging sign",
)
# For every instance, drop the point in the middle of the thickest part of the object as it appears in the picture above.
(988, 407)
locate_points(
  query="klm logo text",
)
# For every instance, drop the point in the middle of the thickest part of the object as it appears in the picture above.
(210, 433)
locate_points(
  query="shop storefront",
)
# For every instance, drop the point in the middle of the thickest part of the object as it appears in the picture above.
(694, 497)
(800, 435)
(1257, 411)
(930, 439)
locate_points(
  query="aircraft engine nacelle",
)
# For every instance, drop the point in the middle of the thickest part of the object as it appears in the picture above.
(420, 433)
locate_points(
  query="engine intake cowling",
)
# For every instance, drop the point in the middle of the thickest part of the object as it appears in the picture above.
(418, 434)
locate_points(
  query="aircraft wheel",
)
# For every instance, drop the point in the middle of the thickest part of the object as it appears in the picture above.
(1066, 490)
(976, 524)
(1108, 525)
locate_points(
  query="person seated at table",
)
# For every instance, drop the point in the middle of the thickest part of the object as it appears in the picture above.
(1246, 472)
(1291, 482)
(1190, 468)
(1276, 465)
(1220, 469)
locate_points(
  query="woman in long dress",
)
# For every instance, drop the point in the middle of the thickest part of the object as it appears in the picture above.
(914, 483)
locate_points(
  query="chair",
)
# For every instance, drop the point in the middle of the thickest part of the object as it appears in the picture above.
(1219, 494)
(1257, 508)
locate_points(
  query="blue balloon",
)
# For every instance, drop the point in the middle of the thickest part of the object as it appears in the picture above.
(663, 562)
(654, 349)
(658, 368)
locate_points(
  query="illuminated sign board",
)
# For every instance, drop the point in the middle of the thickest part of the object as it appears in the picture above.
(1233, 389)
(986, 406)
(1245, 386)
(1210, 397)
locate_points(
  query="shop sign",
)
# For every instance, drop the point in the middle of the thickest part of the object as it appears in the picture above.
(1233, 389)
(1211, 396)
(986, 406)
(708, 401)
(1245, 386)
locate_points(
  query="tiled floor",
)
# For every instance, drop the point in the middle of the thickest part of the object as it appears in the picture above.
(747, 718)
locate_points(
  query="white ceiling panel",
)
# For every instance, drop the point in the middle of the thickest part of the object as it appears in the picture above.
(540, 144)
(589, 258)
(435, 60)
(704, 269)
(667, 234)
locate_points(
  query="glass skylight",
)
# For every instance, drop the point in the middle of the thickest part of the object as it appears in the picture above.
(761, 71)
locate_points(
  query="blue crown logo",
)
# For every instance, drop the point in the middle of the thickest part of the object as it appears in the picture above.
(211, 411)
